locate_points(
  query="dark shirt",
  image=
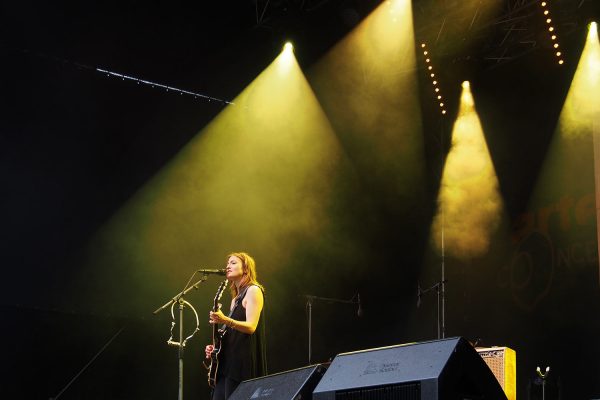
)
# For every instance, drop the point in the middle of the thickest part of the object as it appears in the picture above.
(243, 355)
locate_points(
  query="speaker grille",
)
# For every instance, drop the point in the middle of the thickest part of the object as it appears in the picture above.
(405, 391)
(503, 363)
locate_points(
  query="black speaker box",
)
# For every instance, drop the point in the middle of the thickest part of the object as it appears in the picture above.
(290, 385)
(448, 369)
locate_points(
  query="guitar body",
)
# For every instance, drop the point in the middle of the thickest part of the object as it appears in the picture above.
(214, 360)
(217, 335)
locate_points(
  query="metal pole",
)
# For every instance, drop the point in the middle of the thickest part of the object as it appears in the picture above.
(181, 305)
(443, 294)
(180, 300)
(443, 319)
(543, 389)
(309, 332)
(437, 289)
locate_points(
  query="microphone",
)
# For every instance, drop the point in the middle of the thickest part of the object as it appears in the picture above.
(359, 312)
(213, 271)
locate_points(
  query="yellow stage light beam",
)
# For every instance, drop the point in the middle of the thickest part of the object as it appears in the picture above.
(583, 100)
(469, 202)
(591, 55)
(367, 84)
(564, 194)
(569, 164)
(257, 178)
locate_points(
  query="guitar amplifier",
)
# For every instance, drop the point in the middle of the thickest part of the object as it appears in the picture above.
(503, 363)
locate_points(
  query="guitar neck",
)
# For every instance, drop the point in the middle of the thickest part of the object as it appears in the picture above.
(215, 329)
(215, 334)
(216, 307)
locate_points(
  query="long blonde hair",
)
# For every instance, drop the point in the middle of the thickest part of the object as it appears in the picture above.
(248, 270)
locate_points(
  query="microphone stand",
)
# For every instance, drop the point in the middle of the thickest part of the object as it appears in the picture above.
(440, 288)
(310, 299)
(181, 344)
(543, 376)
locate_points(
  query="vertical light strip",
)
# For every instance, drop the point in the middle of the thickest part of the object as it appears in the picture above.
(434, 78)
(552, 32)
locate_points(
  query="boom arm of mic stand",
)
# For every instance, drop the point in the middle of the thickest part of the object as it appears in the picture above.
(436, 286)
(180, 295)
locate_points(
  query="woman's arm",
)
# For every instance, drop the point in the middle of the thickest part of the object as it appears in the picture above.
(254, 304)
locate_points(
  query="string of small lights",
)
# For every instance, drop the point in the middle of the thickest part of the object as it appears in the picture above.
(552, 32)
(161, 86)
(108, 73)
(434, 80)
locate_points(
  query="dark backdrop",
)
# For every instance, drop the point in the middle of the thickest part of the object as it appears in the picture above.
(75, 145)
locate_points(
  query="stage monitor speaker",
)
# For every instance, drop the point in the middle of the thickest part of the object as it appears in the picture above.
(448, 369)
(290, 385)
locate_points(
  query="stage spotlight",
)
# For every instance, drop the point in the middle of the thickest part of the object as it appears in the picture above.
(287, 58)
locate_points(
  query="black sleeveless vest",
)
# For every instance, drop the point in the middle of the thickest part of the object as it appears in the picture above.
(243, 356)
